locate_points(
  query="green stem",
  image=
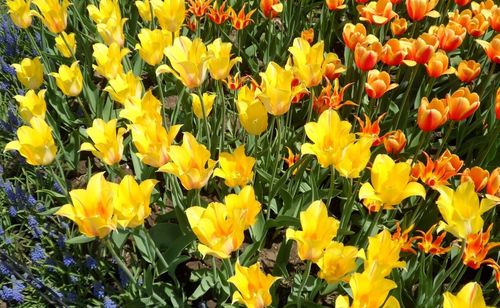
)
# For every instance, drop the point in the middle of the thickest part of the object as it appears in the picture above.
(403, 112)
(446, 136)
(162, 98)
(347, 211)
(423, 138)
(303, 282)
(494, 132)
(452, 269)
(120, 262)
(220, 93)
(332, 185)
(309, 112)
(370, 229)
(205, 120)
(276, 163)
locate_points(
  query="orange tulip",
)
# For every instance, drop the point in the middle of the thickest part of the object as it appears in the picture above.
(334, 5)
(432, 115)
(393, 52)
(331, 98)
(399, 26)
(333, 66)
(377, 12)
(366, 55)
(240, 20)
(419, 9)
(394, 142)
(462, 2)
(378, 83)
(493, 186)
(198, 7)
(450, 36)
(438, 65)
(492, 48)
(369, 129)
(271, 8)
(436, 173)
(467, 71)
(460, 17)
(308, 35)
(478, 25)
(477, 248)
(429, 245)
(354, 34)
(476, 175)
(462, 104)
(218, 14)
(497, 104)
(495, 18)
(421, 49)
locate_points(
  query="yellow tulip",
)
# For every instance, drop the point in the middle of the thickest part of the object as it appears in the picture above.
(208, 102)
(153, 142)
(188, 60)
(330, 136)
(152, 44)
(69, 79)
(470, 296)
(92, 208)
(109, 60)
(35, 143)
(112, 31)
(246, 202)
(125, 87)
(235, 168)
(219, 231)
(170, 14)
(368, 292)
(337, 263)
(132, 201)
(277, 92)
(142, 111)
(30, 72)
(383, 255)
(19, 11)
(391, 184)
(32, 105)
(220, 62)
(253, 286)
(108, 143)
(461, 209)
(190, 162)
(318, 231)
(66, 44)
(146, 9)
(355, 157)
(251, 111)
(108, 9)
(53, 14)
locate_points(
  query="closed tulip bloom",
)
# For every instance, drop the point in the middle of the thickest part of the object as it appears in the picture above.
(66, 44)
(190, 162)
(470, 296)
(355, 157)
(308, 35)
(32, 105)
(92, 208)
(142, 111)
(109, 60)
(393, 52)
(495, 18)
(53, 14)
(383, 255)
(219, 231)
(394, 142)
(438, 65)
(208, 102)
(35, 143)
(108, 9)
(330, 136)
(432, 115)
(450, 36)
(125, 87)
(69, 79)
(390, 184)
(308, 61)
(220, 62)
(368, 292)
(337, 263)
(30, 72)
(188, 60)
(366, 55)
(108, 142)
(132, 201)
(235, 168)
(378, 83)
(399, 26)
(422, 49)
(377, 12)
(461, 210)
(478, 25)
(492, 48)
(271, 8)
(462, 104)
(251, 111)
(493, 186)
(335, 5)
(244, 200)
(419, 9)
(19, 11)
(153, 142)
(318, 230)
(332, 66)
(144, 8)
(253, 286)
(112, 31)
(170, 14)
(476, 175)
(468, 70)
(353, 34)
(152, 43)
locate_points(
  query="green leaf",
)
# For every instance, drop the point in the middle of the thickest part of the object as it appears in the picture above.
(142, 244)
(81, 239)
(119, 237)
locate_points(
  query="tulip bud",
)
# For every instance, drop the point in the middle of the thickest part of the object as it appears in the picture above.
(19, 11)
(366, 55)
(208, 102)
(69, 79)
(378, 83)
(492, 48)
(476, 175)
(419, 9)
(334, 5)
(66, 44)
(394, 142)
(393, 52)
(495, 18)
(399, 26)
(450, 36)
(152, 44)
(462, 104)
(308, 35)
(467, 71)
(438, 65)
(271, 8)
(493, 186)
(432, 115)
(30, 72)
(53, 14)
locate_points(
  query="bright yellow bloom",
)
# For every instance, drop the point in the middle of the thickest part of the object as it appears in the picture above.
(277, 92)
(190, 162)
(109, 60)
(35, 143)
(355, 157)
(112, 31)
(330, 136)
(146, 9)
(318, 231)
(245, 201)
(368, 292)
(108, 143)
(251, 112)
(153, 142)
(188, 60)
(235, 168)
(53, 14)
(470, 296)
(391, 184)
(253, 286)
(30, 72)
(125, 87)
(66, 44)
(208, 102)
(32, 105)
(69, 79)
(170, 14)
(461, 210)
(219, 231)
(132, 201)
(92, 208)
(108, 9)
(152, 44)
(19, 11)
(142, 111)
(383, 255)
(337, 263)
(220, 62)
